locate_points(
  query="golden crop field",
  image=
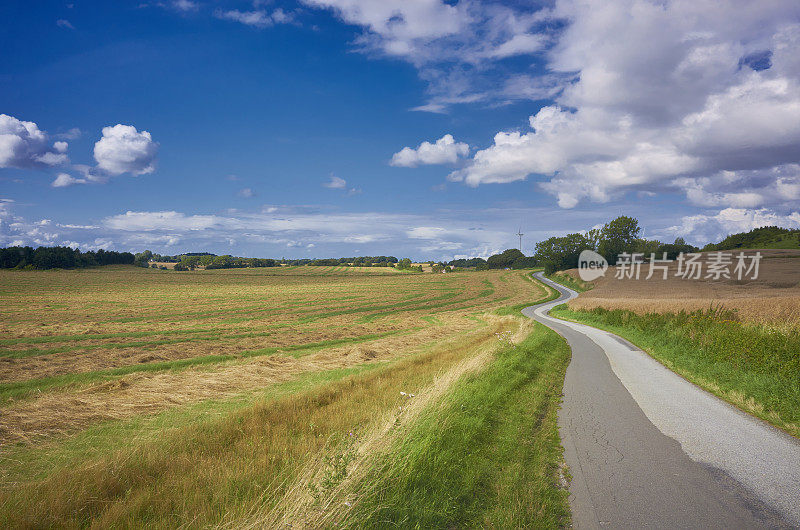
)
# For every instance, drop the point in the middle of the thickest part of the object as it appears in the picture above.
(97, 364)
(772, 299)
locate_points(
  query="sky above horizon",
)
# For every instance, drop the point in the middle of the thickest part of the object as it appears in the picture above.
(425, 128)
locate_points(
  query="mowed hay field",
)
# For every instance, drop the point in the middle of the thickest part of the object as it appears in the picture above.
(772, 299)
(140, 397)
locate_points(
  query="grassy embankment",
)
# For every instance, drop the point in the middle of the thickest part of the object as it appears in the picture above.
(753, 367)
(576, 284)
(487, 456)
(515, 309)
(226, 459)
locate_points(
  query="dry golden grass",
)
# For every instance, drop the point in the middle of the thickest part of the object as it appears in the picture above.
(58, 324)
(299, 508)
(199, 474)
(773, 299)
(60, 412)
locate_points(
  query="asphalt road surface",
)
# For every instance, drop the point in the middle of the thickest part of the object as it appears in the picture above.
(646, 448)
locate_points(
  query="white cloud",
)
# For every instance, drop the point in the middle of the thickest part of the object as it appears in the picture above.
(123, 149)
(437, 235)
(520, 44)
(445, 151)
(64, 180)
(184, 5)
(426, 232)
(258, 18)
(247, 193)
(23, 145)
(336, 183)
(168, 221)
(72, 134)
(703, 228)
(400, 25)
(454, 45)
(285, 226)
(63, 23)
(666, 99)
(775, 186)
(279, 16)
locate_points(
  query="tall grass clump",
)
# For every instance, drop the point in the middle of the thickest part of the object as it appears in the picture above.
(757, 368)
(488, 456)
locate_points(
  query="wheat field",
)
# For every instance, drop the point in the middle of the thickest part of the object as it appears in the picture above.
(773, 299)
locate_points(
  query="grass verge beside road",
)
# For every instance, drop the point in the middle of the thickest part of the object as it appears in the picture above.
(551, 294)
(487, 456)
(566, 280)
(753, 367)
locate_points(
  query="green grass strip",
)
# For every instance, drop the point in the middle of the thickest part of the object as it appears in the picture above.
(488, 457)
(551, 295)
(569, 281)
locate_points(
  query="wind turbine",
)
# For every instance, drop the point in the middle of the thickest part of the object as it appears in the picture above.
(520, 234)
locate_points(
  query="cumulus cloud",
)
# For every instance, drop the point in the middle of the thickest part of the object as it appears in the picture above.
(23, 145)
(123, 149)
(72, 134)
(17, 231)
(258, 18)
(184, 5)
(702, 228)
(454, 45)
(64, 180)
(399, 24)
(709, 93)
(745, 189)
(444, 151)
(338, 183)
(335, 183)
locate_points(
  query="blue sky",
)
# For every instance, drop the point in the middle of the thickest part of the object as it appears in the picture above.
(424, 128)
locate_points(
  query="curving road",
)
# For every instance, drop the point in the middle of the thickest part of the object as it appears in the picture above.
(646, 448)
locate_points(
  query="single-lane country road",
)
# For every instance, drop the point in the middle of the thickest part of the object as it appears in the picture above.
(646, 448)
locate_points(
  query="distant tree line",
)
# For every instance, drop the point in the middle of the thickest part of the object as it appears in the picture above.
(618, 236)
(193, 260)
(60, 258)
(468, 263)
(765, 237)
(508, 259)
(223, 262)
(362, 261)
(143, 259)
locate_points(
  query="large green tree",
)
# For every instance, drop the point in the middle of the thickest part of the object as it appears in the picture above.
(617, 236)
(560, 253)
(505, 259)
